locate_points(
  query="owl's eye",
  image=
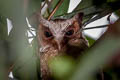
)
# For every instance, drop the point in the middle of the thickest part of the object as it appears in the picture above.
(48, 34)
(69, 32)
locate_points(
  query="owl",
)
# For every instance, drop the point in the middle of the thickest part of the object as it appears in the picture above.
(59, 37)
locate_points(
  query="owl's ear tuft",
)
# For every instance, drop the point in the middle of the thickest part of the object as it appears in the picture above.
(80, 17)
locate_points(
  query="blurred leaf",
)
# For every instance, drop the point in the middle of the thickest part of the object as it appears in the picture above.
(3, 28)
(11, 8)
(21, 53)
(62, 9)
(3, 68)
(33, 6)
(26, 68)
(62, 67)
(20, 50)
(26, 65)
(96, 58)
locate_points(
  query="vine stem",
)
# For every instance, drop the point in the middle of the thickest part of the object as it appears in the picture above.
(55, 9)
(102, 26)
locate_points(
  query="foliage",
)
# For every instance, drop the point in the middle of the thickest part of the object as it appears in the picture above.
(22, 55)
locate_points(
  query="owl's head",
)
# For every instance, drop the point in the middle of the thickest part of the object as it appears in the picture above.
(59, 34)
(59, 37)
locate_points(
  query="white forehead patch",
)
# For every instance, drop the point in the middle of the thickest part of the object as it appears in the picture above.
(58, 27)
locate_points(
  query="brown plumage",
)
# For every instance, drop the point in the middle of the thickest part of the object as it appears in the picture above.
(59, 37)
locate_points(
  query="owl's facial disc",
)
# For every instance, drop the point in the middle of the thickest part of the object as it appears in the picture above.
(58, 39)
(58, 33)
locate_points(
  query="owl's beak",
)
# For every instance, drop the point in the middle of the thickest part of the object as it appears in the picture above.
(59, 47)
(59, 44)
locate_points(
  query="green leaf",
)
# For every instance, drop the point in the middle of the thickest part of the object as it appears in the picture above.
(90, 40)
(84, 4)
(62, 9)
(91, 8)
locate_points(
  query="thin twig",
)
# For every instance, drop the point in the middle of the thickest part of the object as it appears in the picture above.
(55, 9)
(102, 26)
(11, 68)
